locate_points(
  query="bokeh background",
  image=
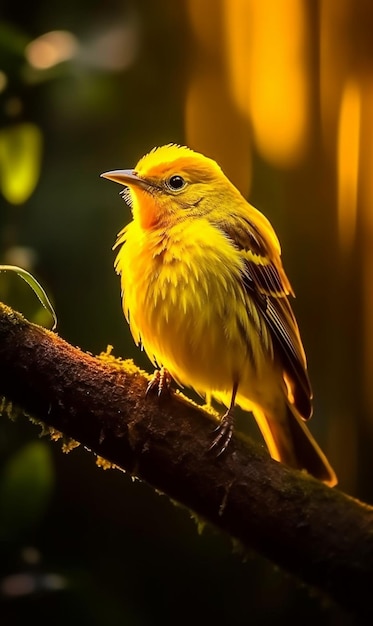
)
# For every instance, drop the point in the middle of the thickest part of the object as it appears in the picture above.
(280, 93)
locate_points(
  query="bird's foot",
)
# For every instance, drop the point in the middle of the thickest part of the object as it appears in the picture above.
(224, 432)
(160, 382)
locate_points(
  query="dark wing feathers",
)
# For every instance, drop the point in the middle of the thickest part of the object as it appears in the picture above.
(265, 281)
(265, 277)
(287, 345)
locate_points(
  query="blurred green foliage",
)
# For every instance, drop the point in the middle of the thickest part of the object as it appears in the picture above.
(20, 161)
(26, 485)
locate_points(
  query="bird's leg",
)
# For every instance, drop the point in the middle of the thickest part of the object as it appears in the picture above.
(225, 427)
(160, 382)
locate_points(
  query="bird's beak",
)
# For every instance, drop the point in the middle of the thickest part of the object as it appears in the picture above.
(126, 177)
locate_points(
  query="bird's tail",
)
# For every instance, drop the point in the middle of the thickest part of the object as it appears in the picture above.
(289, 441)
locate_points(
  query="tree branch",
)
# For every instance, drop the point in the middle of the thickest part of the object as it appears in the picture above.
(319, 534)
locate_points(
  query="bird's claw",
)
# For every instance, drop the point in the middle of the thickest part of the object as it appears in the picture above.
(224, 432)
(160, 382)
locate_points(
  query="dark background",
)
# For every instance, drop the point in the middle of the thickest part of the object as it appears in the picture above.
(281, 95)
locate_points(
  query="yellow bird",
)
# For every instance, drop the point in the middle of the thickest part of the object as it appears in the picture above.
(206, 295)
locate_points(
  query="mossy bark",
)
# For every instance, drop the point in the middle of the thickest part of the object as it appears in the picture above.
(320, 535)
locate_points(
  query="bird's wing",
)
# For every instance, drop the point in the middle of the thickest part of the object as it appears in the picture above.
(266, 283)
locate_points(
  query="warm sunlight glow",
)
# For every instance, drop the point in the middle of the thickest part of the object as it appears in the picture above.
(113, 49)
(51, 48)
(266, 50)
(212, 130)
(3, 81)
(212, 123)
(238, 22)
(366, 243)
(348, 164)
(334, 67)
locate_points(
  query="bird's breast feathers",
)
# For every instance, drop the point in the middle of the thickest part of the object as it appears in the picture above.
(185, 301)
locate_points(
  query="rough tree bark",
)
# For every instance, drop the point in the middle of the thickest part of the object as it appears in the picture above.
(321, 535)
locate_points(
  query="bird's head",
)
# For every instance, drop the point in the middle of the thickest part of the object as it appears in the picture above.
(172, 183)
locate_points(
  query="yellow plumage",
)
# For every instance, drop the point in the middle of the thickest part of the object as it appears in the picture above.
(205, 293)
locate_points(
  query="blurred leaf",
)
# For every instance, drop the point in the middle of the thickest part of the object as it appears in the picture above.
(12, 40)
(25, 488)
(37, 289)
(20, 161)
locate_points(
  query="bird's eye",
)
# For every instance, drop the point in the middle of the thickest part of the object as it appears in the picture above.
(176, 183)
